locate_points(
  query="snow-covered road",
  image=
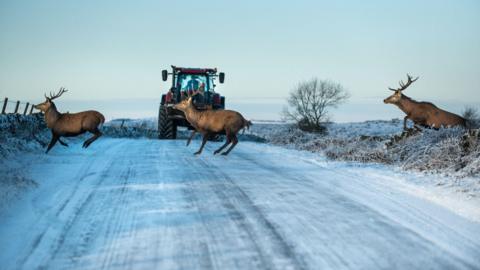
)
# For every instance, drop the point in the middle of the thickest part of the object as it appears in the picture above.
(150, 204)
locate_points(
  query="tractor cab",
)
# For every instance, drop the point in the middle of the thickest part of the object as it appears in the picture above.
(196, 82)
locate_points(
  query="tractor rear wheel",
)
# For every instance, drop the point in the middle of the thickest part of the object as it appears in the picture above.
(167, 129)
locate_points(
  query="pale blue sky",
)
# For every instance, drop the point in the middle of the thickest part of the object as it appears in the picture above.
(104, 50)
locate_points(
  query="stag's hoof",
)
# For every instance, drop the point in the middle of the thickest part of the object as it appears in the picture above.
(215, 152)
(197, 153)
(224, 153)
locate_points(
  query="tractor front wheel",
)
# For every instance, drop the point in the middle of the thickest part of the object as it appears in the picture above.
(167, 129)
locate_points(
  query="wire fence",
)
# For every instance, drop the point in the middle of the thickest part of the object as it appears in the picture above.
(17, 107)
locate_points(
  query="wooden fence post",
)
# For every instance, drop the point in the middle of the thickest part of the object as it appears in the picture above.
(4, 105)
(16, 107)
(26, 108)
(31, 109)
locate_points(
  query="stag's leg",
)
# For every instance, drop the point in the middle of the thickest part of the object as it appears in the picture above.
(62, 143)
(227, 142)
(96, 134)
(191, 136)
(204, 141)
(405, 122)
(234, 142)
(52, 143)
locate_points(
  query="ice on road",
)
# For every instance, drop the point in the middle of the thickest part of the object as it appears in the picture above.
(151, 204)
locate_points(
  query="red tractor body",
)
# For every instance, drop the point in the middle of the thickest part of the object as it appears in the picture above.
(186, 82)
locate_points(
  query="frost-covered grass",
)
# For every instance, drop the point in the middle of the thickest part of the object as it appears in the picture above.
(147, 128)
(131, 128)
(450, 152)
(18, 133)
(21, 133)
(136, 128)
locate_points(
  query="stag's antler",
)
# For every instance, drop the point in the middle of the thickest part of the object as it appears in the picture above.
(60, 92)
(404, 86)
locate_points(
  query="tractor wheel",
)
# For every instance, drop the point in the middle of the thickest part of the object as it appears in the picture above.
(167, 129)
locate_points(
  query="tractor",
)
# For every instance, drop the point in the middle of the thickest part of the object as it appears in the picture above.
(196, 82)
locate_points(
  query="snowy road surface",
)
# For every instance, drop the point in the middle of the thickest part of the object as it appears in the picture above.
(149, 204)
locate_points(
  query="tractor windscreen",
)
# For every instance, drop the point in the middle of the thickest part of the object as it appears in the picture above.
(193, 82)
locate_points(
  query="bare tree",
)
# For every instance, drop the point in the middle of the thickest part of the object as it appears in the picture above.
(309, 102)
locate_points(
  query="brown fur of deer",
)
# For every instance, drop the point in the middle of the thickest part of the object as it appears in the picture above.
(69, 124)
(424, 114)
(212, 122)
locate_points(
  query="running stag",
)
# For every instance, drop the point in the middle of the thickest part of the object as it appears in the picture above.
(69, 124)
(424, 114)
(212, 122)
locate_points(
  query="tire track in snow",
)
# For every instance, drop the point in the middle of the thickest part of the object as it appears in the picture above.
(251, 219)
(210, 249)
(192, 199)
(75, 216)
(39, 237)
(78, 204)
(89, 221)
(116, 223)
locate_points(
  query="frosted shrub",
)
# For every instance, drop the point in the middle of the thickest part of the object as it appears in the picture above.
(453, 151)
(21, 132)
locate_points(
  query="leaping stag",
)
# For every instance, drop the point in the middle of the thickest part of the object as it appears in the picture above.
(212, 122)
(424, 114)
(69, 124)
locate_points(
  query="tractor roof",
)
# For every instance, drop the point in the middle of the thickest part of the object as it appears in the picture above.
(194, 70)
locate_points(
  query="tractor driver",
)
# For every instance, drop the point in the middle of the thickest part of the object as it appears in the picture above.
(193, 84)
(188, 88)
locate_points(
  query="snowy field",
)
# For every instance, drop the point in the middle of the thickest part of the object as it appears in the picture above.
(150, 204)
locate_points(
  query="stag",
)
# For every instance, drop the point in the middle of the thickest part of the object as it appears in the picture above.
(424, 114)
(69, 124)
(210, 123)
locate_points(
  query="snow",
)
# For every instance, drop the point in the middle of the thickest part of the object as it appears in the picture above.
(432, 163)
(152, 204)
